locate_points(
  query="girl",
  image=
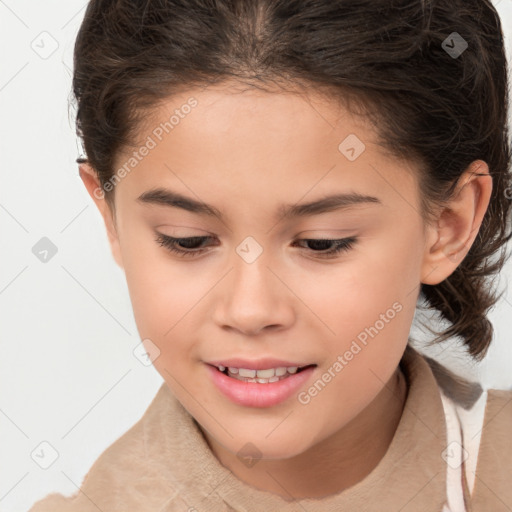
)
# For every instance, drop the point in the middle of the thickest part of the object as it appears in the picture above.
(281, 182)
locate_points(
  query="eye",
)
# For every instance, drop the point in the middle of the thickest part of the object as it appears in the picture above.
(340, 245)
(192, 246)
(190, 243)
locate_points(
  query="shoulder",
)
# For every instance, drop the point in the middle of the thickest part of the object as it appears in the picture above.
(492, 490)
(124, 475)
(112, 469)
(56, 503)
(485, 421)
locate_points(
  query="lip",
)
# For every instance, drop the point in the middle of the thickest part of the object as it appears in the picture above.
(254, 394)
(260, 364)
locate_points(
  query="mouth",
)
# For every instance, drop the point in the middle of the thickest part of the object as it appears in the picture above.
(265, 376)
(263, 388)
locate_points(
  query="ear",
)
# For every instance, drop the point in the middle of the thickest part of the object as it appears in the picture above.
(93, 186)
(458, 224)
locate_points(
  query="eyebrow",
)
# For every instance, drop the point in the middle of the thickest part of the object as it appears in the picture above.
(166, 197)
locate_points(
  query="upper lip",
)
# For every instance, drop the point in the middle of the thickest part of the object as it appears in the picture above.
(259, 364)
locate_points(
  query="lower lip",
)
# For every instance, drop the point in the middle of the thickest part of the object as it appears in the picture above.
(253, 394)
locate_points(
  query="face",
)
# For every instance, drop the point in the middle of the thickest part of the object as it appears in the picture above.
(254, 282)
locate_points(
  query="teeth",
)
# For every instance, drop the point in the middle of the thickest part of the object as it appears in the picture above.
(261, 381)
(260, 376)
(243, 372)
(266, 374)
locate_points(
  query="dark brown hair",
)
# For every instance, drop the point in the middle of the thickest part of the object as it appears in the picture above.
(398, 59)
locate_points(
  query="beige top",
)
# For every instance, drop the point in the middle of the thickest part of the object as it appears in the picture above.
(164, 464)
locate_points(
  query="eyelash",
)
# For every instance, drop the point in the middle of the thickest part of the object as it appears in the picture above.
(170, 243)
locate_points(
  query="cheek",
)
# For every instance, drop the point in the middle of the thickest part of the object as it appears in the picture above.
(352, 295)
(366, 306)
(162, 290)
(163, 300)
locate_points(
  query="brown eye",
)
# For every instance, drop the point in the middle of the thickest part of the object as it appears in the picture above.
(321, 244)
(183, 246)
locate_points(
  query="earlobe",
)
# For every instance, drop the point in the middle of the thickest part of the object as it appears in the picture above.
(93, 186)
(458, 224)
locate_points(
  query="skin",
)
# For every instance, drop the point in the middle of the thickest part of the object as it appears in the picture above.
(246, 153)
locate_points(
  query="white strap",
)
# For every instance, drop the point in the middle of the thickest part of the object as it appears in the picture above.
(472, 422)
(453, 455)
(464, 431)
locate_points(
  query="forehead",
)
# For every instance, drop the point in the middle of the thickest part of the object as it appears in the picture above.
(253, 143)
(294, 119)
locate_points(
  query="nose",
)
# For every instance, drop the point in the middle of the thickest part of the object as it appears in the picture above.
(253, 297)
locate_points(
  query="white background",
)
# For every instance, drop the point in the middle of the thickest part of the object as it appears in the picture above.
(68, 374)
